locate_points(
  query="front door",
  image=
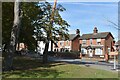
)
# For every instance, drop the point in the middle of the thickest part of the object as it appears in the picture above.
(90, 53)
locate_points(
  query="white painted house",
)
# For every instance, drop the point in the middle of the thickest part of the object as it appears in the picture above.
(41, 47)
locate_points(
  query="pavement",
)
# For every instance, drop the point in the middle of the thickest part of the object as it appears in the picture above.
(89, 63)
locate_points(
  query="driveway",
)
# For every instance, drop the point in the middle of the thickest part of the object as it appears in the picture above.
(87, 63)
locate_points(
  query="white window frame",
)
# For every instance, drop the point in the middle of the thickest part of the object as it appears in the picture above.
(98, 51)
(61, 43)
(90, 41)
(56, 42)
(83, 51)
(99, 41)
(84, 41)
(67, 43)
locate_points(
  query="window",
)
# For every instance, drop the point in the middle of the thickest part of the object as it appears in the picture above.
(55, 50)
(61, 43)
(98, 51)
(109, 50)
(83, 51)
(67, 43)
(99, 41)
(90, 41)
(83, 41)
(57, 42)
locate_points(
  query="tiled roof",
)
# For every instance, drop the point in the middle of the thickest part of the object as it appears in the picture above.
(95, 35)
(71, 37)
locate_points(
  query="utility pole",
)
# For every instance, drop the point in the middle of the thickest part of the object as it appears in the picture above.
(114, 62)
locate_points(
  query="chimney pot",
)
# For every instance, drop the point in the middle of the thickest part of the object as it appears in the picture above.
(95, 30)
(77, 31)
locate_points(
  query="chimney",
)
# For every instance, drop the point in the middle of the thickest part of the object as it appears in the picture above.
(95, 30)
(77, 31)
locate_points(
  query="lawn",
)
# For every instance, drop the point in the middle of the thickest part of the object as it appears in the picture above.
(30, 68)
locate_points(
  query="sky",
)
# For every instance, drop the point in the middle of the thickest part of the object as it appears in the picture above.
(87, 15)
(85, 0)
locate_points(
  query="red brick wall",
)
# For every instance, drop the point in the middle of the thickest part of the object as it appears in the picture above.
(75, 44)
(69, 43)
(94, 41)
(80, 41)
(103, 43)
(108, 43)
(64, 44)
(88, 42)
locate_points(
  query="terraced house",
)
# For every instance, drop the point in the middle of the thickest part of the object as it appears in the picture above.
(96, 44)
(72, 44)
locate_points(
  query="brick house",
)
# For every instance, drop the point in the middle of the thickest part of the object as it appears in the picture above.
(72, 44)
(21, 46)
(96, 44)
(41, 47)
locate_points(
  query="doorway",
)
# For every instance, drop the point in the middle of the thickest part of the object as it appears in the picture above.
(90, 53)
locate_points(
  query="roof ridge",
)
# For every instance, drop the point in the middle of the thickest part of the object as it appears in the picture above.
(98, 32)
(97, 35)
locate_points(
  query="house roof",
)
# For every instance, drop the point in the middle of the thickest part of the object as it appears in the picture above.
(118, 42)
(71, 37)
(96, 35)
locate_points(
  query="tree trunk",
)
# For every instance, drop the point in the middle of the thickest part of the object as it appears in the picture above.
(14, 34)
(45, 57)
(49, 34)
